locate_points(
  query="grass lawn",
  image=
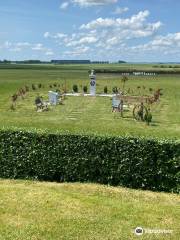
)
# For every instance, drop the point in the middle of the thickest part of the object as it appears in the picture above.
(85, 114)
(38, 210)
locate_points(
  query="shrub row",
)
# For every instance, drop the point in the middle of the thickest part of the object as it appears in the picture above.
(131, 71)
(131, 162)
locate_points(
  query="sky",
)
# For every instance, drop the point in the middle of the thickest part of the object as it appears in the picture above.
(99, 30)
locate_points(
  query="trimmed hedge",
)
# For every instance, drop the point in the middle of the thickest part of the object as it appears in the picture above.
(131, 162)
(130, 71)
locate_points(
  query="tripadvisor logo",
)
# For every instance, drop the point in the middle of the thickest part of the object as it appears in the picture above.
(139, 231)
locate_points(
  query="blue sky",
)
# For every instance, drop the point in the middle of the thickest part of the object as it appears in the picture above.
(131, 30)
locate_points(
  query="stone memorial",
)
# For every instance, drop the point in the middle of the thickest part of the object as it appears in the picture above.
(92, 77)
(53, 98)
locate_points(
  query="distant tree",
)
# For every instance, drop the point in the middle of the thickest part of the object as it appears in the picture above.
(120, 61)
(115, 90)
(85, 89)
(58, 91)
(124, 80)
(33, 87)
(6, 61)
(75, 88)
(27, 88)
(14, 98)
(21, 93)
(39, 85)
(12, 107)
(139, 89)
(148, 117)
(31, 62)
(105, 90)
(150, 89)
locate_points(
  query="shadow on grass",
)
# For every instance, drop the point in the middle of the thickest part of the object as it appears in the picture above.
(154, 124)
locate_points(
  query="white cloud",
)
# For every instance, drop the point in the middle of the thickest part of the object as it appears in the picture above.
(41, 48)
(120, 10)
(23, 44)
(55, 36)
(49, 53)
(26, 46)
(38, 47)
(107, 36)
(64, 5)
(83, 40)
(90, 39)
(90, 3)
(100, 22)
(164, 44)
(16, 49)
(60, 35)
(77, 51)
(7, 44)
(46, 34)
(114, 31)
(134, 22)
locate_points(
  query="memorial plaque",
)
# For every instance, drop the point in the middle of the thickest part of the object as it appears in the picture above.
(92, 77)
(53, 98)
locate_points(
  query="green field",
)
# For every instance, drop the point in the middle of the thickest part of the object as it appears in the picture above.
(37, 210)
(87, 115)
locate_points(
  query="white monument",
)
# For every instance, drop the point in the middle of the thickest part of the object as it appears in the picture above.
(92, 77)
(53, 98)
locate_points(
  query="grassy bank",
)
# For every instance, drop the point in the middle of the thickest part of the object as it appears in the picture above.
(34, 210)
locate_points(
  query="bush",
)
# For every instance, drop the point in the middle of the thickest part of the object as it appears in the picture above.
(85, 89)
(75, 88)
(115, 90)
(12, 107)
(125, 161)
(148, 117)
(105, 90)
(27, 88)
(33, 87)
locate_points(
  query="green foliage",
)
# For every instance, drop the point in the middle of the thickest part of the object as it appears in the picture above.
(39, 85)
(33, 87)
(115, 90)
(124, 80)
(148, 117)
(75, 88)
(105, 90)
(85, 89)
(131, 162)
(12, 107)
(27, 88)
(150, 89)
